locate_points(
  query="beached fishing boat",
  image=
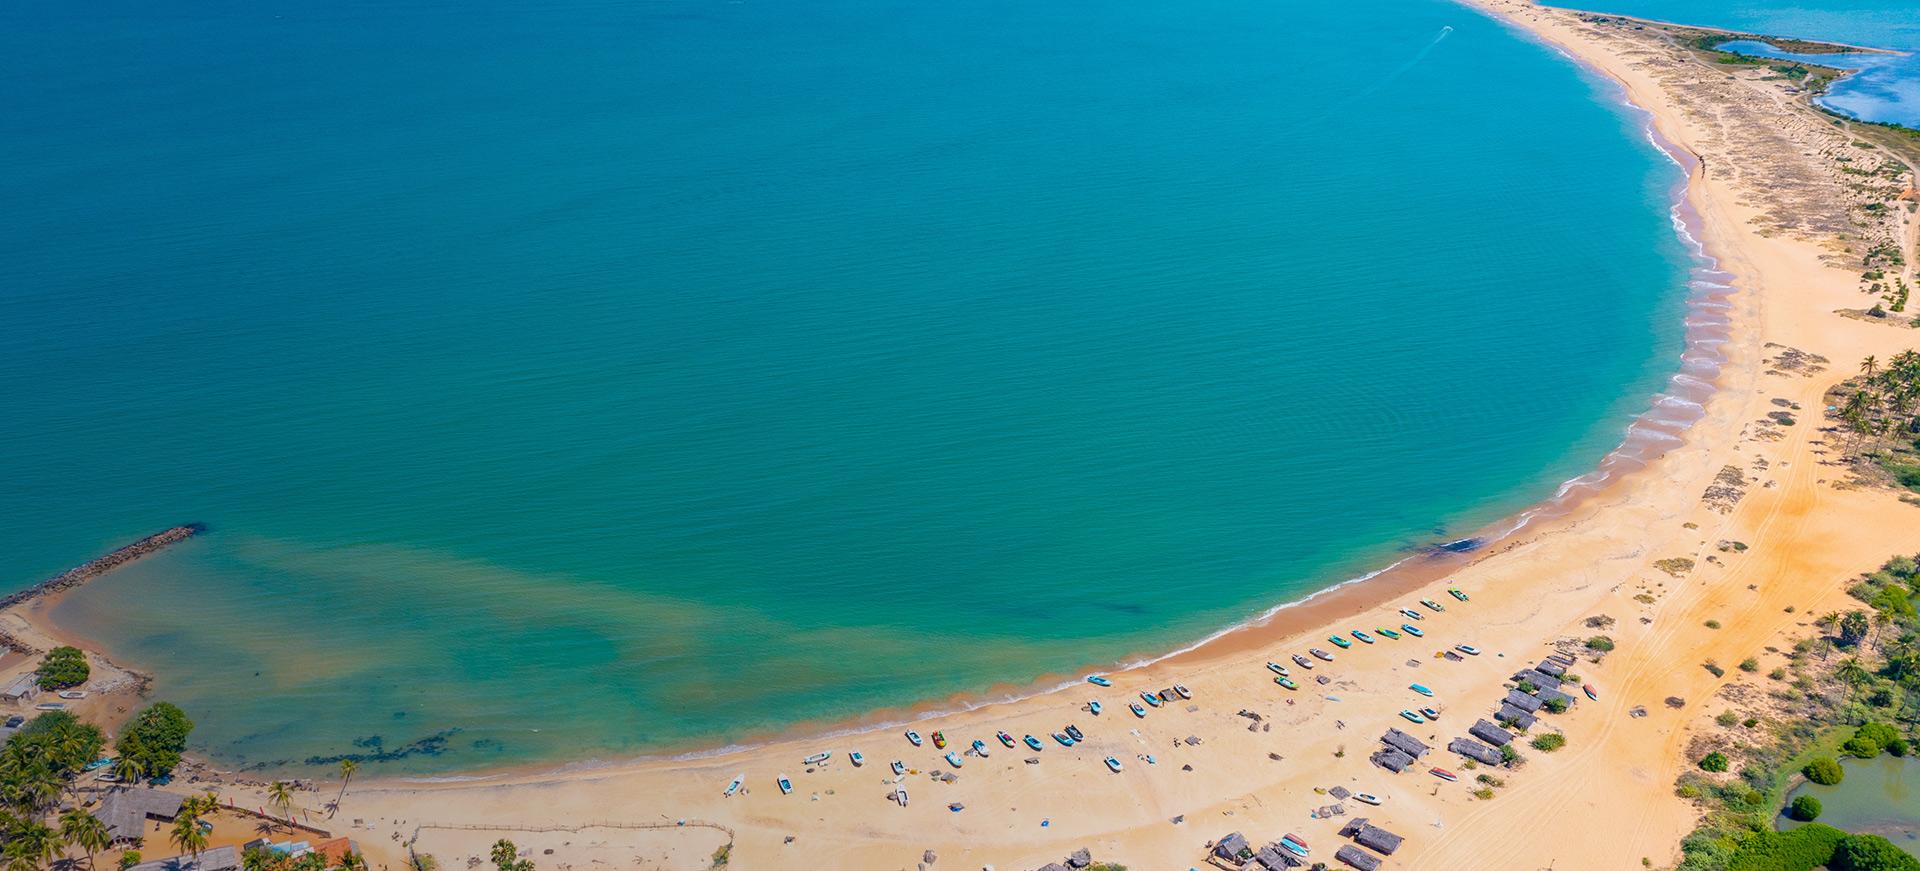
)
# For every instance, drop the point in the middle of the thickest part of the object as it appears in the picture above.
(913, 737)
(1004, 738)
(1430, 713)
(1075, 733)
(50, 706)
(1293, 843)
(735, 785)
(1113, 765)
(1286, 682)
(1320, 653)
(1033, 743)
(1588, 689)
(1410, 629)
(1366, 798)
(1151, 699)
(73, 694)
(1182, 691)
(900, 795)
(857, 759)
(1098, 681)
(953, 759)
(1364, 637)
(1432, 605)
(817, 758)
(1093, 707)
(940, 740)
(1411, 716)
(786, 786)
(1278, 669)
(1137, 710)
(1445, 775)
(899, 768)
(1302, 661)
(1455, 592)
(1339, 642)
(1064, 739)
(1388, 632)
(1420, 688)
(1467, 649)
(1412, 614)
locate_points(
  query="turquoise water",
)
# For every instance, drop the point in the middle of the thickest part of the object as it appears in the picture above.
(1879, 796)
(1886, 88)
(574, 380)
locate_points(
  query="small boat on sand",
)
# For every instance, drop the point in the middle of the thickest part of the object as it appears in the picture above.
(1182, 690)
(1302, 661)
(1421, 689)
(1034, 743)
(734, 786)
(1320, 653)
(1093, 707)
(1432, 605)
(953, 759)
(1455, 592)
(1286, 682)
(1364, 637)
(913, 737)
(1292, 843)
(1278, 669)
(1113, 765)
(786, 786)
(817, 758)
(1339, 642)
(1389, 633)
(1589, 690)
(1063, 738)
(1151, 699)
(940, 740)
(1412, 614)
(980, 748)
(1137, 710)
(1412, 717)
(1366, 798)
(1445, 775)
(1467, 649)
(1430, 713)
(900, 795)
(73, 694)
(856, 759)
(1412, 630)
(1004, 738)
(1075, 733)
(1098, 681)
(899, 768)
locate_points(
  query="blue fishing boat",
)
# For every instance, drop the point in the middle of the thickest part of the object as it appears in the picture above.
(1412, 717)
(1098, 681)
(856, 759)
(1339, 642)
(1412, 614)
(1094, 707)
(899, 767)
(1455, 592)
(1286, 682)
(1063, 739)
(1421, 689)
(980, 748)
(786, 786)
(1152, 700)
(953, 759)
(1293, 844)
(913, 737)
(735, 785)
(1411, 630)
(1137, 710)
(1075, 733)
(1034, 743)
(1364, 637)
(1113, 765)
(1388, 632)
(1004, 738)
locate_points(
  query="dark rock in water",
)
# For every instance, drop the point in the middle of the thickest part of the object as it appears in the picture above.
(1462, 545)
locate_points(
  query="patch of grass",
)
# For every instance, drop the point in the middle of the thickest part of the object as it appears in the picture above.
(1549, 742)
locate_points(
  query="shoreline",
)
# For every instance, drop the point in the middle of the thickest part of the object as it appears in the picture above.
(1529, 588)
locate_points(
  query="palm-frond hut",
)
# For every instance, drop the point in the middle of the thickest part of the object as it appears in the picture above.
(1475, 750)
(1357, 858)
(1515, 717)
(1404, 743)
(1490, 733)
(1552, 666)
(1391, 759)
(1378, 840)
(1524, 702)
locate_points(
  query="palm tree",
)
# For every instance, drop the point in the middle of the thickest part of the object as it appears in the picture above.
(1853, 627)
(347, 768)
(187, 835)
(1869, 366)
(352, 862)
(30, 845)
(84, 830)
(1852, 673)
(130, 768)
(281, 795)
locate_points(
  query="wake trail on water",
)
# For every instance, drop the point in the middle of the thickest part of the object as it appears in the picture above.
(1378, 85)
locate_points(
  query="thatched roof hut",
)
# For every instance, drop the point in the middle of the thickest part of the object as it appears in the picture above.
(1404, 743)
(1378, 840)
(1357, 858)
(1475, 750)
(1552, 666)
(1274, 859)
(1353, 827)
(1391, 759)
(1548, 695)
(126, 811)
(1233, 848)
(1523, 701)
(1490, 733)
(1537, 678)
(1515, 717)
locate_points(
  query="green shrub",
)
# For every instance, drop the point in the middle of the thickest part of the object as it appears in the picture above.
(64, 667)
(1715, 762)
(1806, 809)
(1871, 853)
(1749, 665)
(1898, 747)
(1727, 719)
(1600, 642)
(152, 743)
(1870, 739)
(1549, 742)
(1825, 771)
(1802, 849)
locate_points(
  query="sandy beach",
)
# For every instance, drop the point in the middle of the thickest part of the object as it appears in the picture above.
(1649, 550)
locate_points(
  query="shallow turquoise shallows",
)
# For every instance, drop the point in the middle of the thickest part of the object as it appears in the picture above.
(571, 380)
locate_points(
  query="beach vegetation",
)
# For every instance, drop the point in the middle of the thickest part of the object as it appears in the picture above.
(1713, 668)
(62, 668)
(1871, 853)
(1601, 643)
(1713, 624)
(129, 858)
(1805, 808)
(1715, 762)
(1483, 793)
(1750, 665)
(506, 857)
(1549, 742)
(1727, 719)
(1557, 705)
(1824, 770)
(151, 744)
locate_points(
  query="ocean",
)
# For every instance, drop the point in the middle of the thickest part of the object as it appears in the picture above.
(569, 381)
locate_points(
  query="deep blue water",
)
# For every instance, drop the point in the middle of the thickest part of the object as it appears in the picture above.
(652, 374)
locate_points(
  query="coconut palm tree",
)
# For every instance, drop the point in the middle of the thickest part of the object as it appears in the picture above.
(130, 768)
(347, 768)
(187, 835)
(84, 830)
(1853, 627)
(30, 845)
(280, 793)
(1852, 673)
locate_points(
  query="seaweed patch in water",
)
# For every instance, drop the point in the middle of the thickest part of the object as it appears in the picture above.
(432, 745)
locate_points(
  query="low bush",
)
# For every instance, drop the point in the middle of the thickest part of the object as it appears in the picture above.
(1715, 762)
(64, 667)
(1806, 809)
(1549, 742)
(1825, 771)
